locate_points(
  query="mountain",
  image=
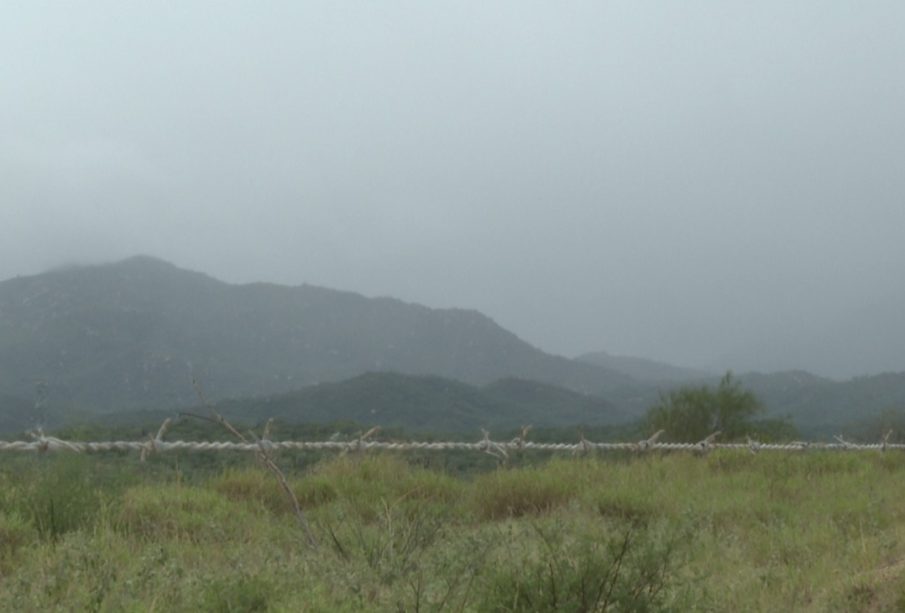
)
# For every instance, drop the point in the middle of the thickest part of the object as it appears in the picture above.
(18, 415)
(815, 402)
(428, 403)
(643, 370)
(134, 333)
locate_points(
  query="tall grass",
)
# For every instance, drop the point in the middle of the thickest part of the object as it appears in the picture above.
(659, 532)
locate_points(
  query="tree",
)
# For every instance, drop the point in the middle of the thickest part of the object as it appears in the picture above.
(691, 414)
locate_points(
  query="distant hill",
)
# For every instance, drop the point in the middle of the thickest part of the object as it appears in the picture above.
(131, 335)
(643, 370)
(820, 406)
(18, 415)
(813, 401)
(428, 403)
(816, 405)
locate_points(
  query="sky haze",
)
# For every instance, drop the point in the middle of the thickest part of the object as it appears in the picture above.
(698, 182)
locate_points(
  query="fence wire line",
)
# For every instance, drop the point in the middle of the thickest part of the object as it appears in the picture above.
(43, 443)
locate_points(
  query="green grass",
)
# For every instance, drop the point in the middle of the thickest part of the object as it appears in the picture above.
(726, 531)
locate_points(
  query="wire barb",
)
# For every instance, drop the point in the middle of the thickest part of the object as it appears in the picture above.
(154, 443)
(490, 447)
(753, 446)
(649, 443)
(845, 444)
(519, 441)
(707, 444)
(885, 442)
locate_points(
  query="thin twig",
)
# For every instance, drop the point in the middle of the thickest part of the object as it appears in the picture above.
(265, 458)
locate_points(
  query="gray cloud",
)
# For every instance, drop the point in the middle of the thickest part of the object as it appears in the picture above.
(671, 180)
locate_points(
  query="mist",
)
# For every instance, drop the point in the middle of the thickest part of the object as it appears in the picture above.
(714, 184)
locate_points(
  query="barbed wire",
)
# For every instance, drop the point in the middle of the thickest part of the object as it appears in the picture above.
(501, 449)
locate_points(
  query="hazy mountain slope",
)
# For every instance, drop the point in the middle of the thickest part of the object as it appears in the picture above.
(18, 415)
(131, 334)
(419, 402)
(811, 401)
(542, 404)
(641, 369)
(819, 405)
(428, 403)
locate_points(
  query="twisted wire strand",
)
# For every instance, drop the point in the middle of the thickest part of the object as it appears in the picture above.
(486, 445)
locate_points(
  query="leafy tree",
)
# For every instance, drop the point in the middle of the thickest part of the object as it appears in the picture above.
(691, 413)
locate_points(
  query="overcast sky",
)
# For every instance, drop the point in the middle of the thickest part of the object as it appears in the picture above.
(678, 180)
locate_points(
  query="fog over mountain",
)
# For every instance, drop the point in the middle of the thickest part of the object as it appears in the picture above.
(129, 338)
(713, 185)
(640, 369)
(134, 334)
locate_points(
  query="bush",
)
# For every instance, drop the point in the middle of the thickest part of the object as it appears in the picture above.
(242, 594)
(691, 414)
(629, 505)
(582, 569)
(260, 488)
(393, 546)
(513, 493)
(63, 495)
(175, 511)
(367, 484)
(14, 533)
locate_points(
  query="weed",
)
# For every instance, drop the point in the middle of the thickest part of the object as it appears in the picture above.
(237, 595)
(518, 492)
(585, 569)
(174, 511)
(15, 532)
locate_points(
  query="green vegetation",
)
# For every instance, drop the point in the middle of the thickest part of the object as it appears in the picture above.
(821, 407)
(810, 531)
(87, 341)
(419, 403)
(429, 403)
(424, 531)
(692, 413)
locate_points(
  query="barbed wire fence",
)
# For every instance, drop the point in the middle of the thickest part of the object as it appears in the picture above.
(41, 442)
(263, 448)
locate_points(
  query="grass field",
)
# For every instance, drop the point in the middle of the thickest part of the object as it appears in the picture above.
(727, 531)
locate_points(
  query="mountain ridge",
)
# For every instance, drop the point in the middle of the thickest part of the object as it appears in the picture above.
(429, 402)
(133, 334)
(643, 369)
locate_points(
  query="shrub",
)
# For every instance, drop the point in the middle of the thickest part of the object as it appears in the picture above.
(175, 511)
(633, 506)
(368, 484)
(690, 414)
(579, 569)
(259, 488)
(513, 493)
(234, 595)
(62, 496)
(393, 546)
(14, 533)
